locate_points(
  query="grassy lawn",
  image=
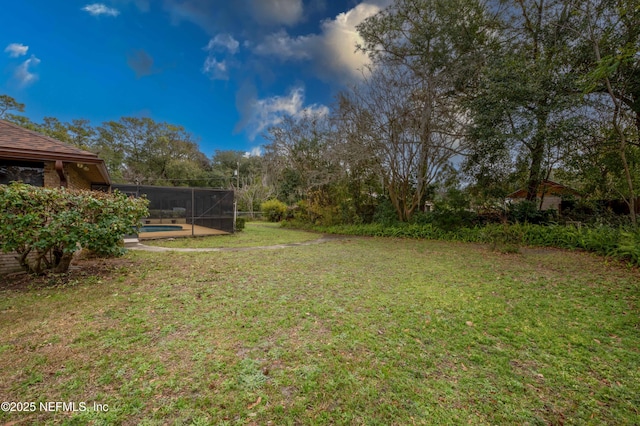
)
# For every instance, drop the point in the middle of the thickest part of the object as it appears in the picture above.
(255, 234)
(354, 331)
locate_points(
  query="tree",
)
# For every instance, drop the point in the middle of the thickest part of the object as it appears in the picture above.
(173, 157)
(299, 155)
(7, 103)
(253, 191)
(141, 150)
(228, 165)
(245, 175)
(443, 43)
(110, 148)
(360, 184)
(525, 108)
(611, 30)
(384, 121)
(55, 129)
(128, 136)
(81, 133)
(425, 53)
(22, 121)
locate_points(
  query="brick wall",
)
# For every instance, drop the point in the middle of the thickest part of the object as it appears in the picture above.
(8, 263)
(51, 178)
(74, 180)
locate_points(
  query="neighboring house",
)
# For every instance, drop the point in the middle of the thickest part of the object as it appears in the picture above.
(39, 160)
(549, 192)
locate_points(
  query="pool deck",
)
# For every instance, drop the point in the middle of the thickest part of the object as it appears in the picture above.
(198, 231)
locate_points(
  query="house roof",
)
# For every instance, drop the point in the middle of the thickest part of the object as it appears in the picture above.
(546, 187)
(18, 143)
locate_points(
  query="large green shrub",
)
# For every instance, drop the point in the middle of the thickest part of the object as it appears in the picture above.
(629, 246)
(528, 212)
(273, 210)
(46, 226)
(385, 213)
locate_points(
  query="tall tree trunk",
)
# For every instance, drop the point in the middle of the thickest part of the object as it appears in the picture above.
(537, 156)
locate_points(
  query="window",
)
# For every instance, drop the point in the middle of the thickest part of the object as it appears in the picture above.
(21, 171)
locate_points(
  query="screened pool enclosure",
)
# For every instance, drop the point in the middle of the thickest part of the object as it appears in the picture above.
(190, 207)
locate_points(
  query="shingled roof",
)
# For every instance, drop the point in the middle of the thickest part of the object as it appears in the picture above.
(546, 187)
(20, 144)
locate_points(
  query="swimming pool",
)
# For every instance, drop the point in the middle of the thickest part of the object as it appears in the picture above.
(159, 228)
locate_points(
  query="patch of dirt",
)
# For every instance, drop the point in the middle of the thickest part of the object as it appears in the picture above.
(540, 250)
(80, 269)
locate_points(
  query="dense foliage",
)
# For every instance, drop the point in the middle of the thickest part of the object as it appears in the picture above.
(46, 226)
(273, 210)
(618, 243)
(462, 103)
(144, 151)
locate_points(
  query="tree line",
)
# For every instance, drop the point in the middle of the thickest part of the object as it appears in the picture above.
(487, 96)
(463, 102)
(146, 152)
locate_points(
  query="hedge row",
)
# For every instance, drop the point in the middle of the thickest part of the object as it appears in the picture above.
(618, 243)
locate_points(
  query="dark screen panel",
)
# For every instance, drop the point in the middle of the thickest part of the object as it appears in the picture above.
(212, 208)
(21, 171)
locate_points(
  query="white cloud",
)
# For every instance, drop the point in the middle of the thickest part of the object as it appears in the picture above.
(97, 9)
(214, 67)
(16, 49)
(216, 70)
(333, 51)
(215, 16)
(255, 152)
(224, 41)
(285, 47)
(277, 12)
(260, 114)
(340, 38)
(23, 73)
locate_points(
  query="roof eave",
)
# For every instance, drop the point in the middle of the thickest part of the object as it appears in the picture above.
(102, 168)
(98, 163)
(20, 154)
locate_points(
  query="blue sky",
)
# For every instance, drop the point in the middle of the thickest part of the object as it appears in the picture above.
(225, 70)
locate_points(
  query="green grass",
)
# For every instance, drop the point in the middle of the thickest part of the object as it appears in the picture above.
(255, 234)
(355, 331)
(616, 243)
